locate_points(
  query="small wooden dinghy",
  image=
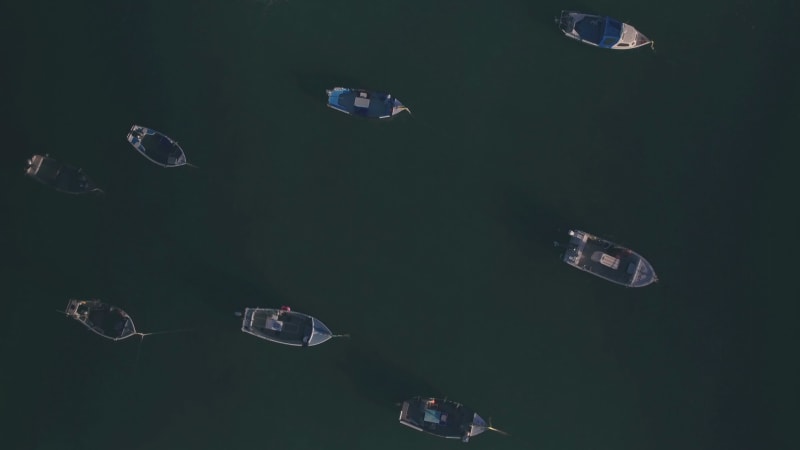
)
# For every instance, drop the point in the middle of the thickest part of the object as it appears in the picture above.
(103, 319)
(360, 102)
(443, 418)
(601, 31)
(285, 326)
(59, 176)
(157, 147)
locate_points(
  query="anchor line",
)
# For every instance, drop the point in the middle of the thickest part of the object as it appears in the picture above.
(164, 332)
(138, 351)
(496, 430)
(143, 335)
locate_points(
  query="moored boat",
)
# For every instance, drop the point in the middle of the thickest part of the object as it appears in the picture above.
(157, 147)
(360, 102)
(101, 318)
(443, 418)
(601, 31)
(59, 176)
(608, 260)
(285, 326)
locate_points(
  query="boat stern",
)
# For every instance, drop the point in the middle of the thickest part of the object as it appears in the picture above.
(405, 412)
(333, 98)
(247, 319)
(34, 164)
(574, 251)
(135, 136)
(566, 21)
(72, 308)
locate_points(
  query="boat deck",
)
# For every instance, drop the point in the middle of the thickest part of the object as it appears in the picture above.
(376, 105)
(604, 259)
(161, 149)
(590, 28)
(105, 320)
(110, 322)
(280, 326)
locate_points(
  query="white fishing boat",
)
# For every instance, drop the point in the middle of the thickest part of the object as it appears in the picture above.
(608, 260)
(285, 326)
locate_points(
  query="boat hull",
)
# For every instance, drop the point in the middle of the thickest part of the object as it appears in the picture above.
(285, 327)
(441, 417)
(608, 260)
(363, 103)
(157, 147)
(102, 319)
(601, 31)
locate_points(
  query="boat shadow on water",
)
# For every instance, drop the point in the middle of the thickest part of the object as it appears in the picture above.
(225, 291)
(535, 225)
(545, 14)
(381, 381)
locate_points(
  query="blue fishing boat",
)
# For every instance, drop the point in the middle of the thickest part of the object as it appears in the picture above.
(157, 147)
(359, 102)
(601, 31)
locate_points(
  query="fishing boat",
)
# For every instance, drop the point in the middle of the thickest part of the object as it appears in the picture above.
(601, 31)
(608, 260)
(360, 102)
(285, 326)
(443, 418)
(59, 176)
(101, 318)
(157, 147)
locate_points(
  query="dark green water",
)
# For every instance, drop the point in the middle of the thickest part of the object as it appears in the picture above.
(428, 238)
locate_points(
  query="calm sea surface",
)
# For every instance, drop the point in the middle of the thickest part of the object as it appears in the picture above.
(428, 238)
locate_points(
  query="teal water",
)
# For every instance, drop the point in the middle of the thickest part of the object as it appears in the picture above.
(427, 238)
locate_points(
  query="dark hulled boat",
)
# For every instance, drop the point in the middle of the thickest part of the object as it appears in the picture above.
(101, 318)
(59, 176)
(157, 147)
(443, 418)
